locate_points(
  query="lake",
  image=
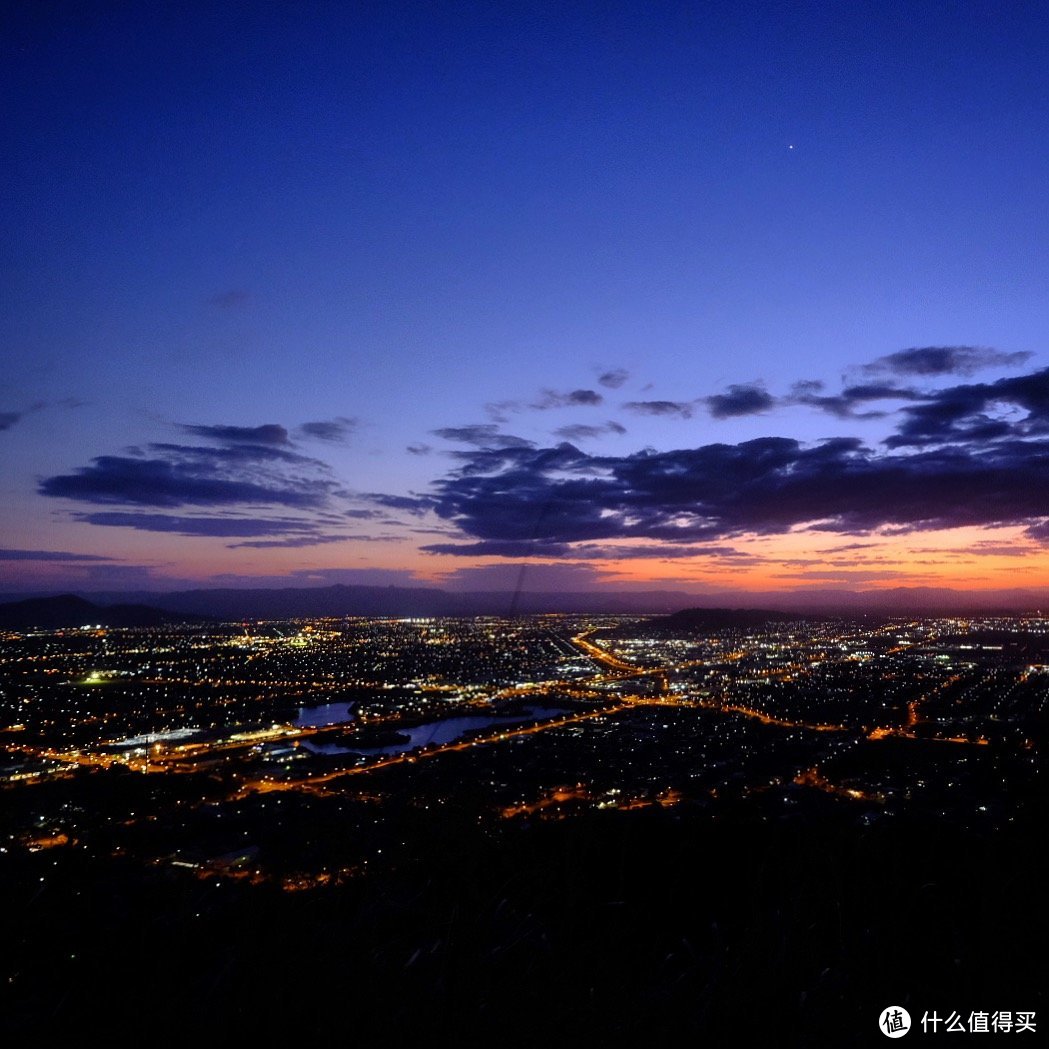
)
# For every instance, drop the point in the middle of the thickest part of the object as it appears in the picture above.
(434, 732)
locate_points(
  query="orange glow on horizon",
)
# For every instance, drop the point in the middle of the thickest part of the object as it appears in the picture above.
(961, 558)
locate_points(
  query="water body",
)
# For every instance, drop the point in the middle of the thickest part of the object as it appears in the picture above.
(438, 732)
(326, 714)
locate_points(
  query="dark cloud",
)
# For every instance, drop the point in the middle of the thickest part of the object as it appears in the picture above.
(978, 471)
(49, 555)
(498, 548)
(739, 400)
(832, 404)
(586, 551)
(225, 526)
(572, 399)
(333, 430)
(680, 408)
(613, 379)
(961, 413)
(653, 551)
(250, 466)
(314, 539)
(1000, 549)
(419, 449)
(945, 360)
(846, 575)
(484, 435)
(204, 456)
(880, 392)
(269, 433)
(293, 541)
(548, 399)
(807, 387)
(580, 398)
(1039, 531)
(163, 483)
(412, 504)
(583, 432)
(9, 419)
(845, 404)
(579, 432)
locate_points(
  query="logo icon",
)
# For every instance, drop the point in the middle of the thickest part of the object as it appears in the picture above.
(894, 1021)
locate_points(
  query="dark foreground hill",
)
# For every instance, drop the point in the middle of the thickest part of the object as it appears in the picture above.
(655, 928)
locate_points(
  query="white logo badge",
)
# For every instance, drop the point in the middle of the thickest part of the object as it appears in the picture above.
(894, 1021)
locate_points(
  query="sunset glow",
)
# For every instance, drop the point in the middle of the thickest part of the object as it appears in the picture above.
(727, 306)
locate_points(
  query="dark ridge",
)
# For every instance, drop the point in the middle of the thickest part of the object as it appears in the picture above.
(396, 601)
(347, 600)
(68, 610)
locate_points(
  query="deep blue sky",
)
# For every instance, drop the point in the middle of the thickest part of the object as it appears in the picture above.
(386, 217)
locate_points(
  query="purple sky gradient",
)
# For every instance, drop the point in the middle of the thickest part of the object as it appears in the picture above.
(299, 290)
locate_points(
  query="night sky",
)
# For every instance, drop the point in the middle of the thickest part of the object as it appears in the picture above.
(701, 296)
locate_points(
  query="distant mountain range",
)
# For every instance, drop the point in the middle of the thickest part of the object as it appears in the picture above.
(150, 608)
(342, 600)
(68, 610)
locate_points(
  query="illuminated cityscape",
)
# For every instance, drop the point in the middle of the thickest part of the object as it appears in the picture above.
(308, 757)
